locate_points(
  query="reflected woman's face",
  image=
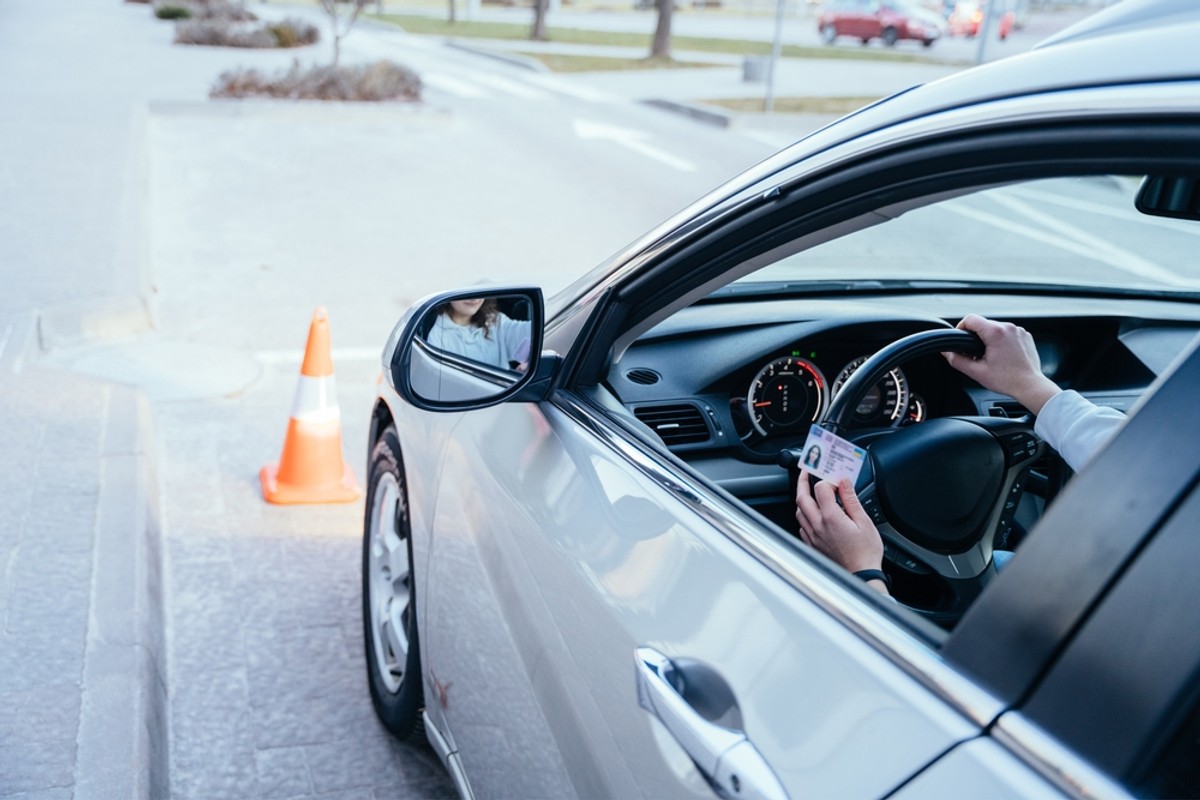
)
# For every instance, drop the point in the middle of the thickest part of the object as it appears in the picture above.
(465, 309)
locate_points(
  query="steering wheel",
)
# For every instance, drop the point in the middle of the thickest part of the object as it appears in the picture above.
(940, 492)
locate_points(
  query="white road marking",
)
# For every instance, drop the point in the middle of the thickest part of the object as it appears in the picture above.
(509, 86)
(1105, 253)
(454, 86)
(1104, 250)
(633, 140)
(566, 87)
(1129, 214)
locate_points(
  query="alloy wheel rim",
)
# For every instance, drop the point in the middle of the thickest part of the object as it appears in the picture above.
(389, 585)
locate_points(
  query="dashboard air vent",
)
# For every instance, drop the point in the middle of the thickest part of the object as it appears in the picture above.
(681, 423)
(646, 377)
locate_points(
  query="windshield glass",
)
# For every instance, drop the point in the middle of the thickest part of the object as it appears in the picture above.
(1062, 231)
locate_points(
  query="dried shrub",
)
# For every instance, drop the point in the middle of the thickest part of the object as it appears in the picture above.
(172, 12)
(293, 32)
(383, 80)
(221, 9)
(222, 33)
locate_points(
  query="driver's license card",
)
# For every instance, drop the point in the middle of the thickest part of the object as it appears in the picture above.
(830, 457)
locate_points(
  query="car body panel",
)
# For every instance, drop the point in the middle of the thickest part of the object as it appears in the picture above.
(978, 768)
(531, 551)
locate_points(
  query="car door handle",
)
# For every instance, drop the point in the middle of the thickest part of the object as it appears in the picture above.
(722, 752)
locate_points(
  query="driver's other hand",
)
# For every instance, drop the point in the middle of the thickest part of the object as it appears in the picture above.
(1009, 364)
(843, 532)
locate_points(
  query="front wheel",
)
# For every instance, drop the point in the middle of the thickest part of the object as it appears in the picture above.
(828, 34)
(890, 36)
(389, 611)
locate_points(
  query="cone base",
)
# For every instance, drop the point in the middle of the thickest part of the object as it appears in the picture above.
(345, 491)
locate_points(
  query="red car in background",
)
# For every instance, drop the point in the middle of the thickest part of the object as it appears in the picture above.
(889, 20)
(967, 19)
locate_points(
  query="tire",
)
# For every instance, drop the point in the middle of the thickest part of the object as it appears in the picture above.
(828, 34)
(389, 602)
(927, 42)
(890, 36)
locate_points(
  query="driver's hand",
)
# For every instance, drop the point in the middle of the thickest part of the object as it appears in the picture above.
(843, 532)
(1009, 364)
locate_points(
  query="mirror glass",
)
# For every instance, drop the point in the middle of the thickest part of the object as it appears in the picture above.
(471, 347)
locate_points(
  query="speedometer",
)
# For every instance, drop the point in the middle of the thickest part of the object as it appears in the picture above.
(885, 403)
(786, 394)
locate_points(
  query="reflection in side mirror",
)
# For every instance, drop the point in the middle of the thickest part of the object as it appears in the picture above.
(1176, 196)
(493, 331)
(466, 350)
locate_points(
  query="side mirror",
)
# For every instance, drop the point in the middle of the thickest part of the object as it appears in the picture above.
(1176, 196)
(468, 349)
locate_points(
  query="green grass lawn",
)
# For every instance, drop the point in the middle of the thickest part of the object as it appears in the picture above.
(437, 26)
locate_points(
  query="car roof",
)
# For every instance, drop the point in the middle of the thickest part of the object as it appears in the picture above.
(1129, 15)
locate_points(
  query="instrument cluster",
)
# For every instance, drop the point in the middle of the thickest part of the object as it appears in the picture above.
(791, 392)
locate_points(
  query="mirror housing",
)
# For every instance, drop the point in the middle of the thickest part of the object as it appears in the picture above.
(1175, 196)
(469, 349)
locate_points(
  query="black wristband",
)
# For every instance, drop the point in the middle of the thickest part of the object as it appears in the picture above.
(874, 575)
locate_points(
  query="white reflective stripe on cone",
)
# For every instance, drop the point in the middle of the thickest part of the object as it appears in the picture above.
(316, 399)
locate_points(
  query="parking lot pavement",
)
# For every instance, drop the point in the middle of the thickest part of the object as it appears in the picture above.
(264, 620)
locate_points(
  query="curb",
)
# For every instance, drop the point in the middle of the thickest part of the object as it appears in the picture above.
(123, 742)
(515, 59)
(699, 113)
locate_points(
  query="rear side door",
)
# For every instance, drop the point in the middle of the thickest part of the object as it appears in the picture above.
(564, 552)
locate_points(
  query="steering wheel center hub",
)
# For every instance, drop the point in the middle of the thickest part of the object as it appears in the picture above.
(939, 482)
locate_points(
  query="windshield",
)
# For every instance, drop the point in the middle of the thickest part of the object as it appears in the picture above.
(1061, 231)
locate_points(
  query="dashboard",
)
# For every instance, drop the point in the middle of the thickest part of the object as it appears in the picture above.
(727, 384)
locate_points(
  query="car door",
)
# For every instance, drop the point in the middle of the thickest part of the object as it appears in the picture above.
(565, 544)
(562, 545)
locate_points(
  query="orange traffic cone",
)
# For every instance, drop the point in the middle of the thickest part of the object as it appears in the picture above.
(310, 470)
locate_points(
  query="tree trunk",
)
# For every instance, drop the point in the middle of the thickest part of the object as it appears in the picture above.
(661, 46)
(539, 20)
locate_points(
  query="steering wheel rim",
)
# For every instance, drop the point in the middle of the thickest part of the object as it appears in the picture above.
(900, 505)
(950, 340)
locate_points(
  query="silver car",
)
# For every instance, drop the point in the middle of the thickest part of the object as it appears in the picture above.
(581, 570)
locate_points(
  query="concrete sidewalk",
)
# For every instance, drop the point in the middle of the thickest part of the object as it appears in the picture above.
(82, 682)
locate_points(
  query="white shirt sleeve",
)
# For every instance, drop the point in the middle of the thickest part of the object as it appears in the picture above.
(1076, 427)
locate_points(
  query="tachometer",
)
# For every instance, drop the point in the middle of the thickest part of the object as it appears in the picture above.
(786, 394)
(885, 403)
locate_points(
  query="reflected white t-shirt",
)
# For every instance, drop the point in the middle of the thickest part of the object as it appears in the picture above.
(1076, 427)
(506, 341)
